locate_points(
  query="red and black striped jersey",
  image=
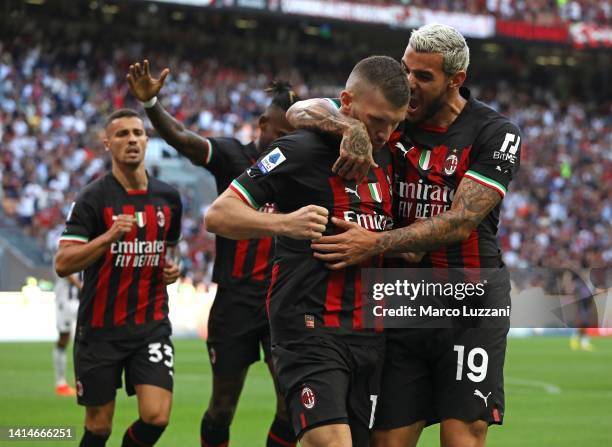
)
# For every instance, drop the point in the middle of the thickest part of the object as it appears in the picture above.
(123, 293)
(305, 297)
(481, 145)
(243, 265)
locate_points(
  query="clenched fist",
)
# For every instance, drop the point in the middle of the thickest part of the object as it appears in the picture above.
(122, 225)
(306, 223)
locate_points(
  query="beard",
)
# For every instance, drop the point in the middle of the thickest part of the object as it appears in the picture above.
(431, 109)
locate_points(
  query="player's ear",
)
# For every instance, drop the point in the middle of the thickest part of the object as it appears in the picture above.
(106, 144)
(457, 79)
(346, 100)
(263, 121)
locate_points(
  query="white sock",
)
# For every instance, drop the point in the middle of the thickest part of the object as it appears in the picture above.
(59, 363)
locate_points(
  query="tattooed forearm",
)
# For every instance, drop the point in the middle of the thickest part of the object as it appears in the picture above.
(319, 114)
(356, 140)
(472, 203)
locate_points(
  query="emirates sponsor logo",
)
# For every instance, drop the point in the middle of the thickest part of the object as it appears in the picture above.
(373, 222)
(425, 192)
(137, 253)
(137, 247)
(421, 200)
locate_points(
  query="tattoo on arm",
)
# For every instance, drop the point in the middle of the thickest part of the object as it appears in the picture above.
(318, 114)
(472, 203)
(357, 141)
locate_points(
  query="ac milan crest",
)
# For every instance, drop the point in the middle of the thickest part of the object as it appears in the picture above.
(450, 165)
(79, 388)
(308, 398)
(161, 219)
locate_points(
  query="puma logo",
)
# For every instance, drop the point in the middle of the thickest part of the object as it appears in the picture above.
(479, 394)
(352, 191)
(402, 148)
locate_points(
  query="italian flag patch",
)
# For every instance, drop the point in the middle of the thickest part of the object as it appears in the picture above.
(375, 192)
(141, 219)
(424, 159)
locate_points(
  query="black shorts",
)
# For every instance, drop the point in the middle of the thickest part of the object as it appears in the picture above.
(237, 327)
(325, 380)
(437, 374)
(98, 367)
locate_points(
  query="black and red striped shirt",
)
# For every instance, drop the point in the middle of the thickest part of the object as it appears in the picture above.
(305, 297)
(123, 293)
(243, 265)
(430, 163)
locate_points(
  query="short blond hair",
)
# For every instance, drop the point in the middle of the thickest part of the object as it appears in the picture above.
(443, 39)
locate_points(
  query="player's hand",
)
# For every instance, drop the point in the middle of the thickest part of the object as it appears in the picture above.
(142, 85)
(355, 158)
(351, 247)
(412, 256)
(170, 273)
(122, 225)
(308, 222)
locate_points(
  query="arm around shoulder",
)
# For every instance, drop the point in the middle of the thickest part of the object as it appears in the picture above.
(231, 217)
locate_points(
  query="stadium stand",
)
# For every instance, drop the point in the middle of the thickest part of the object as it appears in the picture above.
(543, 12)
(51, 101)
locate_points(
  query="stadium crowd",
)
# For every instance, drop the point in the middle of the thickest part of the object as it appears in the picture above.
(558, 211)
(541, 12)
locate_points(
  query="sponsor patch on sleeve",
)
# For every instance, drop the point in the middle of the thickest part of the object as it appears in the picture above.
(271, 161)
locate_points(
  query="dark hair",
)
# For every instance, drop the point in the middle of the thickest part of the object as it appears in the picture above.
(282, 94)
(121, 113)
(387, 74)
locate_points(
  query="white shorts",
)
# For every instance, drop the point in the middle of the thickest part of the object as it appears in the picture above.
(66, 306)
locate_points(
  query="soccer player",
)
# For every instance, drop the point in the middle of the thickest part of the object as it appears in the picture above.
(237, 325)
(118, 232)
(454, 158)
(573, 284)
(326, 361)
(66, 308)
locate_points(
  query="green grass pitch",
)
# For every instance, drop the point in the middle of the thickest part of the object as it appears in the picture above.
(554, 397)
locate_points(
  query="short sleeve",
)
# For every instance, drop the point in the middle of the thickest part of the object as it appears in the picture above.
(263, 182)
(81, 222)
(497, 156)
(335, 102)
(216, 159)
